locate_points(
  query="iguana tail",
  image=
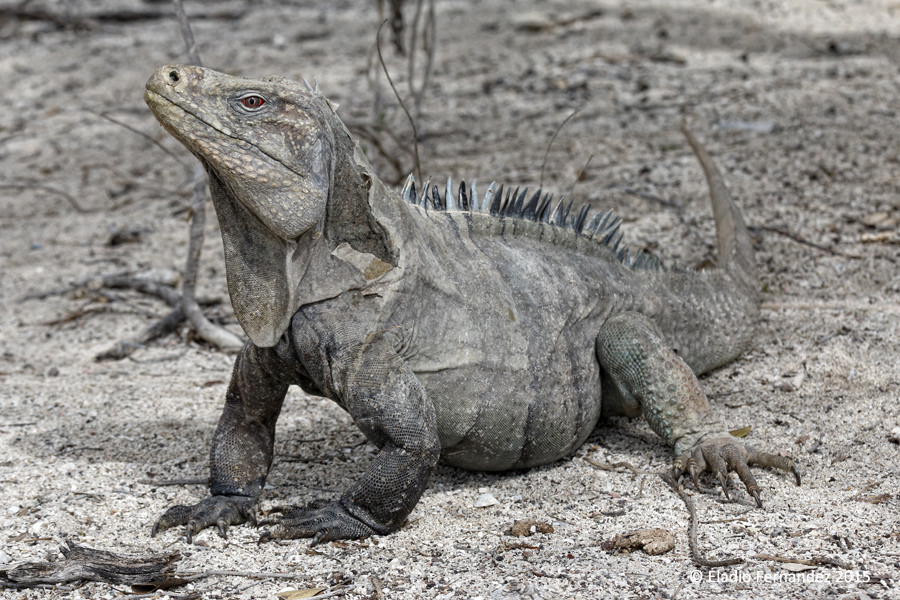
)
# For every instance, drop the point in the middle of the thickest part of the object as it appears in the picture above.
(735, 248)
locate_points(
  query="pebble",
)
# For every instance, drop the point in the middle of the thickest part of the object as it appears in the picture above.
(485, 500)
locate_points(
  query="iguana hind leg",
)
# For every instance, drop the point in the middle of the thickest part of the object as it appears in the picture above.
(650, 378)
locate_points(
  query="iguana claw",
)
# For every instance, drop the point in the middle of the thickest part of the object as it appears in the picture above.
(724, 454)
(755, 494)
(721, 477)
(321, 523)
(694, 472)
(215, 511)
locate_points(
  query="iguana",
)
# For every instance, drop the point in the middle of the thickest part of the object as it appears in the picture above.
(489, 332)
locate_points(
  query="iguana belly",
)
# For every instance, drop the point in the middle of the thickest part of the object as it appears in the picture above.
(502, 335)
(498, 419)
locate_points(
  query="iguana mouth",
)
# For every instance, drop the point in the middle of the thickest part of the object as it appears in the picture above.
(162, 106)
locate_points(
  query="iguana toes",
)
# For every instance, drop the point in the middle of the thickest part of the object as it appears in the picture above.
(490, 332)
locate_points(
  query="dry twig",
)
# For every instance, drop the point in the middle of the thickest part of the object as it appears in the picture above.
(428, 45)
(800, 240)
(87, 564)
(815, 561)
(550, 143)
(412, 121)
(605, 466)
(32, 186)
(90, 20)
(187, 306)
(699, 559)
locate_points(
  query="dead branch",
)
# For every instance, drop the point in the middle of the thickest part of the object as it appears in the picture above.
(133, 130)
(422, 39)
(616, 466)
(119, 280)
(699, 559)
(159, 328)
(580, 175)
(412, 121)
(166, 293)
(186, 33)
(215, 335)
(91, 309)
(815, 561)
(92, 19)
(428, 46)
(116, 280)
(171, 482)
(396, 20)
(800, 240)
(648, 196)
(87, 564)
(184, 305)
(550, 143)
(371, 134)
(193, 576)
(32, 186)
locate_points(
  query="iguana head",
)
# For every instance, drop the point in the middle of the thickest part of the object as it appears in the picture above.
(263, 139)
(268, 150)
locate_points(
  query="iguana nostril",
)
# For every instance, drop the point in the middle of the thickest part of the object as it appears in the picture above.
(174, 77)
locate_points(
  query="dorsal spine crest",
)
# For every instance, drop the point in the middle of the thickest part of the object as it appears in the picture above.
(603, 228)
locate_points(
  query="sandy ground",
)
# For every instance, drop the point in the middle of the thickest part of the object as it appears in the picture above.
(797, 102)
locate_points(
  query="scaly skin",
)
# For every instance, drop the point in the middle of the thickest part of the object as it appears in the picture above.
(486, 341)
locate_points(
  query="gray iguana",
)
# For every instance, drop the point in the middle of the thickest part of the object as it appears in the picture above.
(489, 332)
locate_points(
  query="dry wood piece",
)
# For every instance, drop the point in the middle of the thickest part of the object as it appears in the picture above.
(616, 466)
(528, 527)
(652, 541)
(87, 564)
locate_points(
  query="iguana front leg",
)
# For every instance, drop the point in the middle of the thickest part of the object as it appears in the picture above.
(387, 402)
(242, 446)
(652, 380)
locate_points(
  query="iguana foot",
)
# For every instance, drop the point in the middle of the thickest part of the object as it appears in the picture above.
(723, 454)
(323, 523)
(218, 511)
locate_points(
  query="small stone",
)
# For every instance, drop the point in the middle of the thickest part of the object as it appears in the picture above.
(878, 220)
(533, 21)
(894, 437)
(485, 500)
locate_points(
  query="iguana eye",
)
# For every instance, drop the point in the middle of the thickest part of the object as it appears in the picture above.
(252, 102)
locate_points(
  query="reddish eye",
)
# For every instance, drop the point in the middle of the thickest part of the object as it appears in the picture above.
(253, 102)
